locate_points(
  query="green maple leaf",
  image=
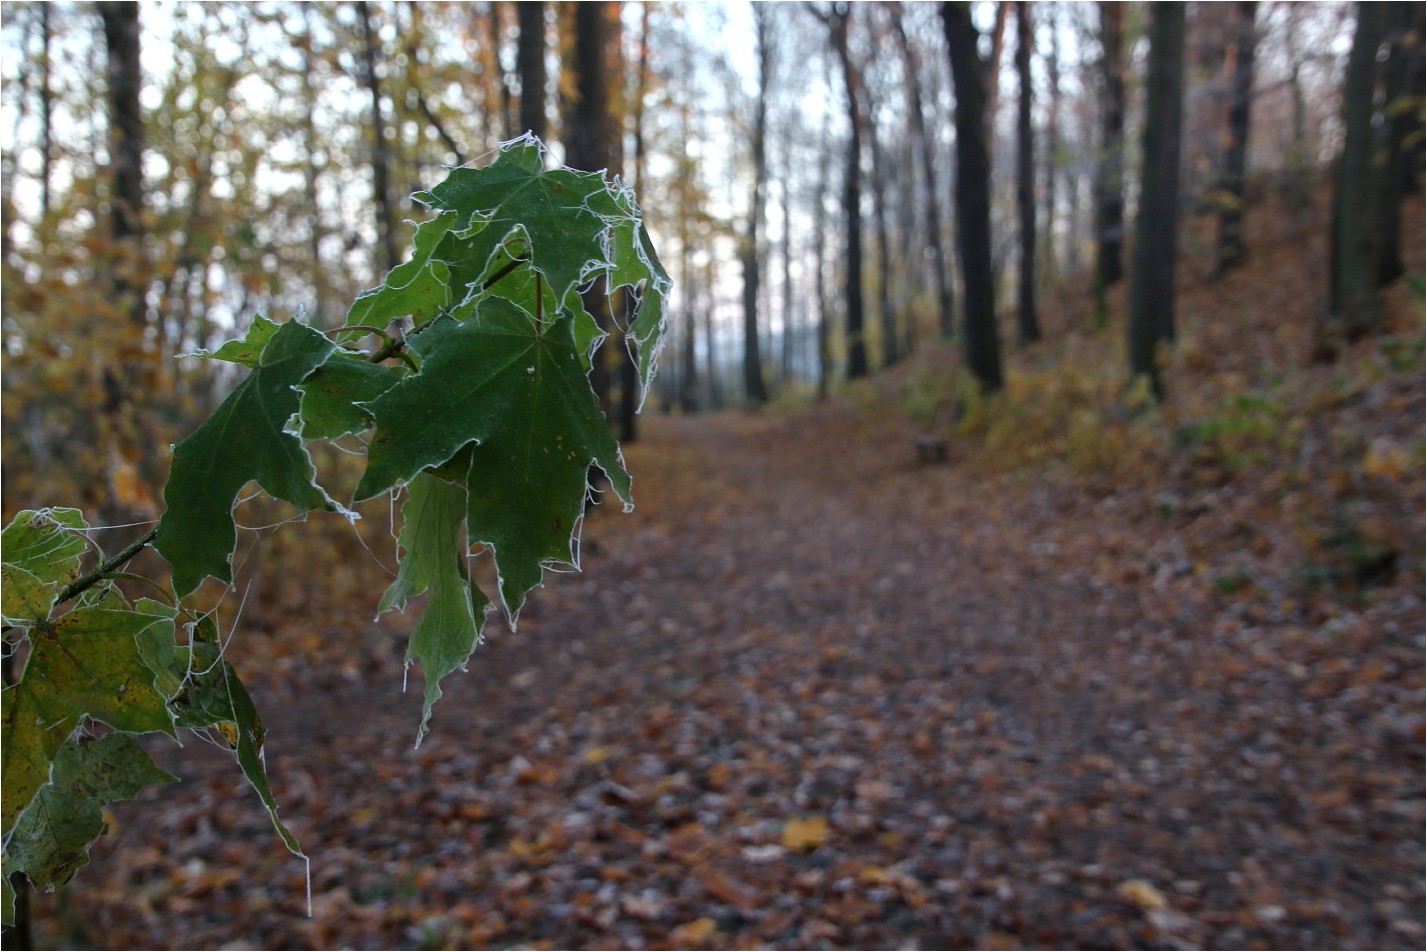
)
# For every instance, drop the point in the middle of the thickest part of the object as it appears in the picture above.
(42, 551)
(433, 561)
(563, 213)
(419, 287)
(86, 663)
(50, 840)
(519, 390)
(247, 350)
(333, 393)
(245, 439)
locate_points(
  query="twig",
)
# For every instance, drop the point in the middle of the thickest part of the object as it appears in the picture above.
(100, 572)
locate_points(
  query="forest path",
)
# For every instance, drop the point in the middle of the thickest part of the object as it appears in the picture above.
(808, 694)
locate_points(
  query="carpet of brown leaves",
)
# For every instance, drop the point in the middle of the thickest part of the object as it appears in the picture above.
(813, 695)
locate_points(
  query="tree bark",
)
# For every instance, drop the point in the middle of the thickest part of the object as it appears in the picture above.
(1051, 148)
(311, 147)
(1110, 169)
(1353, 306)
(754, 389)
(851, 198)
(126, 153)
(1027, 325)
(881, 228)
(980, 342)
(499, 75)
(1151, 307)
(946, 320)
(381, 157)
(530, 64)
(824, 325)
(1234, 163)
(1403, 123)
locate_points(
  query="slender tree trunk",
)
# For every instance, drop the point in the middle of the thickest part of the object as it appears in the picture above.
(1027, 325)
(991, 68)
(381, 156)
(980, 342)
(1357, 213)
(1110, 169)
(715, 391)
(688, 393)
(1235, 158)
(309, 171)
(1151, 308)
(126, 147)
(754, 390)
(413, 82)
(46, 113)
(530, 64)
(789, 328)
(942, 267)
(912, 280)
(882, 229)
(499, 76)
(1403, 123)
(852, 199)
(1049, 254)
(820, 279)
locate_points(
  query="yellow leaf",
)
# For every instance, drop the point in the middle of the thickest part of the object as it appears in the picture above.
(695, 933)
(805, 833)
(1385, 459)
(1142, 894)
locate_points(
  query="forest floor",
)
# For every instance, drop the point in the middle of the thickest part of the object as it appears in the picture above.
(1105, 678)
(811, 694)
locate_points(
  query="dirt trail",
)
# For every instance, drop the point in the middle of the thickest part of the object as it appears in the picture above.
(812, 695)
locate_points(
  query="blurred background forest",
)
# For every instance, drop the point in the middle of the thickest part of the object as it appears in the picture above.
(1166, 257)
(171, 171)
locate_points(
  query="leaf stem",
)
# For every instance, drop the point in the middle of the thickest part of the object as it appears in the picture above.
(100, 572)
(507, 268)
(107, 567)
(380, 332)
(394, 348)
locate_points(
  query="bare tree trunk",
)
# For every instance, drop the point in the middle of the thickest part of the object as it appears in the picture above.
(1027, 325)
(381, 157)
(824, 326)
(980, 343)
(710, 355)
(1052, 145)
(530, 64)
(754, 390)
(946, 321)
(1110, 169)
(880, 227)
(499, 76)
(991, 82)
(1235, 159)
(852, 198)
(309, 170)
(789, 328)
(46, 113)
(1403, 124)
(1353, 304)
(1151, 308)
